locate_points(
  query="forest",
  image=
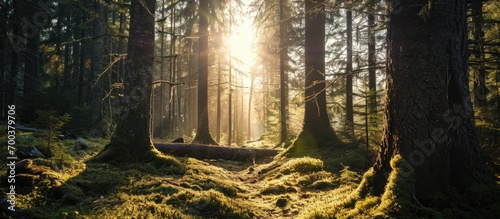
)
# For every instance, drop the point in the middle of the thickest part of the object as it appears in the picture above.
(250, 109)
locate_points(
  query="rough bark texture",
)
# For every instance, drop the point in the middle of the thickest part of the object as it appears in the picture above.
(316, 129)
(428, 116)
(131, 140)
(202, 151)
(203, 132)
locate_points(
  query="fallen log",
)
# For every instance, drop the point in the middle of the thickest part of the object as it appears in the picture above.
(202, 151)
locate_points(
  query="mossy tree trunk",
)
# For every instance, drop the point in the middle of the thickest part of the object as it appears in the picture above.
(316, 130)
(203, 132)
(131, 140)
(428, 116)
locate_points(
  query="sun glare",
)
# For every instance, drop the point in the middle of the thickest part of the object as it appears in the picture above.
(241, 42)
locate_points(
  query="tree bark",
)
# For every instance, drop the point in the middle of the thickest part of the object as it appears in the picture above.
(428, 116)
(372, 60)
(95, 85)
(283, 75)
(131, 140)
(219, 92)
(203, 131)
(316, 130)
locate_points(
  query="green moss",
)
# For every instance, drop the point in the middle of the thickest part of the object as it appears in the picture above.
(331, 204)
(320, 180)
(307, 180)
(397, 198)
(210, 204)
(277, 189)
(322, 185)
(303, 165)
(219, 185)
(158, 187)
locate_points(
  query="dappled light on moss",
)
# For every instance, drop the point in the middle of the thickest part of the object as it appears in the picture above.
(327, 183)
(303, 165)
(210, 204)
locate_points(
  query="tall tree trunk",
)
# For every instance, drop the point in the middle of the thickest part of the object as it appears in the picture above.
(283, 74)
(372, 60)
(203, 132)
(81, 62)
(429, 145)
(67, 48)
(316, 131)
(219, 92)
(230, 103)
(31, 65)
(249, 116)
(173, 74)
(4, 49)
(162, 73)
(95, 85)
(32, 60)
(230, 85)
(11, 93)
(31, 75)
(131, 140)
(121, 46)
(349, 111)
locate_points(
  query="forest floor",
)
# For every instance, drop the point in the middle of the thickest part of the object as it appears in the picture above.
(68, 185)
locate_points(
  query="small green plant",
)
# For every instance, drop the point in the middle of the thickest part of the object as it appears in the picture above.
(52, 121)
(347, 175)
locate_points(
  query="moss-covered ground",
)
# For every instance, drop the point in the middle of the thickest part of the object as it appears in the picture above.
(320, 183)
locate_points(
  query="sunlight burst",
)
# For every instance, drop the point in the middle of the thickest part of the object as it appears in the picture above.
(241, 43)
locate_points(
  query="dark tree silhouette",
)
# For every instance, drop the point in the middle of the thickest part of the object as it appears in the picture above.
(349, 107)
(203, 132)
(131, 139)
(283, 73)
(316, 130)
